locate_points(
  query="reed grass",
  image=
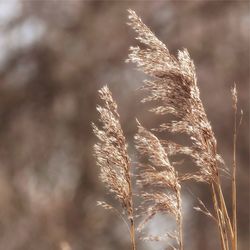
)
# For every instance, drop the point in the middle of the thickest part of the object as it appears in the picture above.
(113, 160)
(173, 86)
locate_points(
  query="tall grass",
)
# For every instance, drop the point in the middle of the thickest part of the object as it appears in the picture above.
(112, 157)
(173, 86)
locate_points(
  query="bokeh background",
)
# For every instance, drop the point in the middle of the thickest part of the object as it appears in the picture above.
(54, 57)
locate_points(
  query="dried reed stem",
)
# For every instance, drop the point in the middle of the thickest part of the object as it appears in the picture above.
(234, 190)
(131, 215)
(224, 209)
(179, 219)
(132, 234)
(219, 217)
(223, 219)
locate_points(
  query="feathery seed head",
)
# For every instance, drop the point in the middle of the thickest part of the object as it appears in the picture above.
(159, 178)
(174, 87)
(111, 151)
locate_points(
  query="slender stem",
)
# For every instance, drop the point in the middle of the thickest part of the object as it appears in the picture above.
(224, 209)
(132, 224)
(132, 234)
(218, 215)
(130, 205)
(226, 225)
(179, 219)
(234, 190)
(131, 211)
(224, 228)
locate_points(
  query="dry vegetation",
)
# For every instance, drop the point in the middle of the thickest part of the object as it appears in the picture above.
(173, 86)
(55, 56)
(112, 157)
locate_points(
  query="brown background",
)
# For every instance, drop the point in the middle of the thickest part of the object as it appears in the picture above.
(54, 57)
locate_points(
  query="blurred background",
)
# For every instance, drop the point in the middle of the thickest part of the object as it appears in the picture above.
(54, 57)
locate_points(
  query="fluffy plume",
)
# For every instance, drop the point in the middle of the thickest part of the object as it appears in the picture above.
(112, 157)
(160, 178)
(174, 86)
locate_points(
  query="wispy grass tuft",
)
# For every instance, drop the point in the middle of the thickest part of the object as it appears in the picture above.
(162, 179)
(173, 85)
(113, 160)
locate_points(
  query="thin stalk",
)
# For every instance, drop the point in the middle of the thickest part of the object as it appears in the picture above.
(225, 219)
(234, 190)
(224, 209)
(131, 213)
(224, 229)
(180, 223)
(225, 216)
(132, 234)
(219, 219)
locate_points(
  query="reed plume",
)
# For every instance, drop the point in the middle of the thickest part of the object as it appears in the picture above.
(173, 84)
(113, 160)
(158, 175)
